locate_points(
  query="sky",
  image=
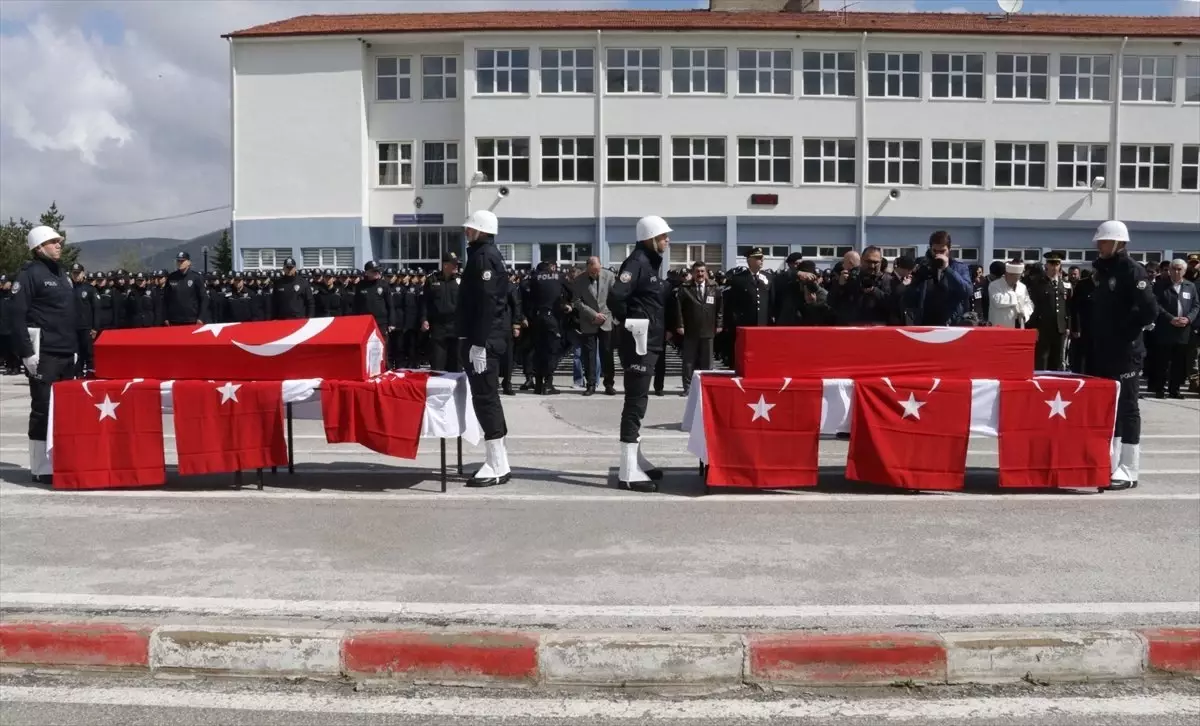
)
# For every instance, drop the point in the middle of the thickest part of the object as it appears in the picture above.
(119, 110)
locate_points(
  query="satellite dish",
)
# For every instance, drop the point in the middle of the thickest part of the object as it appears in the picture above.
(1010, 7)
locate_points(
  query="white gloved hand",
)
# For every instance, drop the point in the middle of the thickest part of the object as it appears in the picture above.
(31, 365)
(478, 356)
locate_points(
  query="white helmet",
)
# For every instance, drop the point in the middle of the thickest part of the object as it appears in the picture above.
(651, 227)
(1112, 230)
(39, 236)
(484, 221)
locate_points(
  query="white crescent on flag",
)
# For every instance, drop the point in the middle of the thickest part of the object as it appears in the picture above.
(307, 332)
(935, 335)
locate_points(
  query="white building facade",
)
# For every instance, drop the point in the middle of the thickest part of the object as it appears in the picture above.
(352, 144)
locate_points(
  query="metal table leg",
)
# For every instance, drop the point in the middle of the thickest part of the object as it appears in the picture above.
(291, 444)
(259, 479)
(442, 445)
(237, 479)
(460, 465)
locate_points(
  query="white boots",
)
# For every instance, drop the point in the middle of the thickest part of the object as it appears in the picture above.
(644, 464)
(39, 462)
(495, 469)
(635, 472)
(1127, 461)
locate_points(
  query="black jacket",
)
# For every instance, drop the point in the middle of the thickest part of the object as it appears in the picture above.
(185, 299)
(292, 298)
(142, 309)
(1122, 306)
(85, 307)
(483, 317)
(1168, 306)
(43, 297)
(374, 298)
(639, 292)
(439, 304)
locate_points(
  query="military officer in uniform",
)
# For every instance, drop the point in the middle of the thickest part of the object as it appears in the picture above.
(749, 294)
(291, 295)
(185, 301)
(638, 298)
(1051, 317)
(440, 305)
(1123, 305)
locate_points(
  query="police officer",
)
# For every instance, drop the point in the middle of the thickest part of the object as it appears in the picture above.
(1123, 305)
(216, 298)
(291, 295)
(638, 298)
(438, 311)
(42, 326)
(748, 296)
(410, 317)
(185, 300)
(373, 297)
(85, 317)
(483, 323)
(141, 305)
(239, 302)
(328, 297)
(545, 296)
(108, 315)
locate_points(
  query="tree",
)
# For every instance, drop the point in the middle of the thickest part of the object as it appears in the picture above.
(54, 218)
(223, 263)
(129, 260)
(13, 251)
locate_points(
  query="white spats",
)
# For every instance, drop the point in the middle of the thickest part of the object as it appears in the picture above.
(497, 457)
(1128, 463)
(642, 462)
(39, 461)
(630, 470)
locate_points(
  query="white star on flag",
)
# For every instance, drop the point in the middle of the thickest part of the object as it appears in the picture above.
(108, 408)
(229, 392)
(912, 407)
(214, 328)
(1058, 407)
(762, 409)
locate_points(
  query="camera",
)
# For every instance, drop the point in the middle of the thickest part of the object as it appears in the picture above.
(938, 263)
(502, 192)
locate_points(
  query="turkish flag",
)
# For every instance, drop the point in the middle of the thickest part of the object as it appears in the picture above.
(383, 414)
(108, 434)
(228, 426)
(762, 433)
(1056, 432)
(910, 432)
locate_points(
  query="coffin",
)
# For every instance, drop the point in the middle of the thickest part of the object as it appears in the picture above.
(345, 348)
(884, 351)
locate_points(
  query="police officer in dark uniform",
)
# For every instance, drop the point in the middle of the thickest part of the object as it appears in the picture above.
(328, 298)
(42, 326)
(410, 320)
(546, 294)
(1079, 309)
(142, 305)
(185, 301)
(216, 298)
(748, 299)
(395, 342)
(291, 295)
(107, 313)
(372, 297)
(638, 300)
(483, 323)
(239, 302)
(262, 296)
(1051, 315)
(85, 317)
(1123, 305)
(438, 313)
(513, 317)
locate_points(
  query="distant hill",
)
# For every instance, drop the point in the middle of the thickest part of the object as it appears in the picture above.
(164, 259)
(141, 254)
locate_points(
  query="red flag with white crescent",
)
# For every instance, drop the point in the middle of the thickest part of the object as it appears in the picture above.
(223, 426)
(383, 414)
(108, 434)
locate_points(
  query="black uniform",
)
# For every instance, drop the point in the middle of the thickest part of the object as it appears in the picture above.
(329, 303)
(1051, 320)
(1079, 308)
(185, 299)
(292, 298)
(374, 298)
(639, 293)
(483, 322)
(543, 304)
(108, 314)
(512, 318)
(142, 308)
(410, 316)
(44, 298)
(85, 323)
(240, 305)
(748, 299)
(439, 306)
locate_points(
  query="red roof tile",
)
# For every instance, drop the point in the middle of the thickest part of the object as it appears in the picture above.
(699, 20)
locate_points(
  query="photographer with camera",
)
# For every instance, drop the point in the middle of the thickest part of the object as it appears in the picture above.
(941, 289)
(861, 294)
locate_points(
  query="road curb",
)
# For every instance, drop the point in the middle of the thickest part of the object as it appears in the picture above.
(610, 659)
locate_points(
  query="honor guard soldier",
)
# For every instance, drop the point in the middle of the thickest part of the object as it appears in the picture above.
(42, 325)
(85, 317)
(638, 299)
(748, 299)
(440, 305)
(291, 295)
(373, 297)
(483, 322)
(1123, 305)
(543, 303)
(1050, 315)
(185, 300)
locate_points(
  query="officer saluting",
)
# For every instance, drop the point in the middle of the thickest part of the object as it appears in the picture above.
(483, 323)
(42, 315)
(638, 298)
(1122, 306)
(185, 299)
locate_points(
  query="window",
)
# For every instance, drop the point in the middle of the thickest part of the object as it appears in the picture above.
(765, 72)
(502, 71)
(441, 163)
(567, 253)
(1020, 165)
(327, 257)
(634, 159)
(1189, 179)
(439, 77)
(1022, 76)
(829, 161)
(504, 161)
(1084, 77)
(957, 163)
(698, 70)
(828, 73)
(764, 161)
(698, 160)
(393, 79)
(568, 160)
(771, 251)
(419, 244)
(1024, 255)
(1146, 258)
(518, 256)
(1191, 82)
(569, 70)
(633, 70)
(1149, 78)
(957, 75)
(395, 164)
(265, 258)
(894, 162)
(1079, 164)
(1080, 256)
(966, 254)
(894, 75)
(685, 253)
(1145, 167)
(821, 251)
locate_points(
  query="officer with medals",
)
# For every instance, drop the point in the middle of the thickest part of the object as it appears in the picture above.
(1051, 316)
(638, 298)
(1123, 305)
(483, 324)
(749, 296)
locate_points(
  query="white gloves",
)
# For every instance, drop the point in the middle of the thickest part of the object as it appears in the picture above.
(639, 328)
(31, 364)
(478, 356)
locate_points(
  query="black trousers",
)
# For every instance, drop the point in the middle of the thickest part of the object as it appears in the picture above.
(547, 340)
(660, 370)
(84, 338)
(485, 394)
(638, 370)
(444, 353)
(52, 367)
(8, 353)
(1048, 351)
(1170, 361)
(1129, 415)
(410, 354)
(697, 355)
(395, 348)
(1077, 355)
(506, 364)
(588, 343)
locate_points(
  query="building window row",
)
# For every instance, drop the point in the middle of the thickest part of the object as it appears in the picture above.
(822, 73)
(764, 160)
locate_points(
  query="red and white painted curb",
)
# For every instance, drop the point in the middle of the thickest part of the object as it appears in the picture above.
(610, 660)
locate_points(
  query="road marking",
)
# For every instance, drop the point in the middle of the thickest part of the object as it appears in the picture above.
(472, 611)
(589, 437)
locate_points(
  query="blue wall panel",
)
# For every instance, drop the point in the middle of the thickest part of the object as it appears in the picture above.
(295, 233)
(839, 235)
(908, 235)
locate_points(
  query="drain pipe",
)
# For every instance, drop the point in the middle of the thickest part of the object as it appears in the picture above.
(861, 161)
(1114, 142)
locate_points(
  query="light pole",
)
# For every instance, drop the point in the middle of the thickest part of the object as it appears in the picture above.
(204, 249)
(476, 179)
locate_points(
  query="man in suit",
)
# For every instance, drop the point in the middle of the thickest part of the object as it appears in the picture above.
(698, 310)
(1177, 312)
(1051, 315)
(590, 295)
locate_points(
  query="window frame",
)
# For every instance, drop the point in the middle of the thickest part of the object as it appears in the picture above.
(1140, 78)
(562, 70)
(624, 68)
(900, 75)
(511, 157)
(704, 158)
(510, 70)
(887, 160)
(1076, 163)
(951, 160)
(641, 157)
(822, 73)
(1028, 164)
(400, 162)
(1138, 165)
(447, 164)
(1191, 80)
(771, 160)
(1029, 76)
(1091, 76)
(839, 161)
(1185, 165)
(448, 79)
(707, 72)
(965, 74)
(771, 73)
(400, 78)
(1027, 254)
(559, 157)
